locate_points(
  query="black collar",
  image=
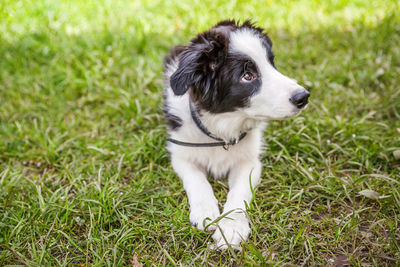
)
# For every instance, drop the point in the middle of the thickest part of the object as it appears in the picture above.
(204, 129)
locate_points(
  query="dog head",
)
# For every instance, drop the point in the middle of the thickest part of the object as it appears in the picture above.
(230, 68)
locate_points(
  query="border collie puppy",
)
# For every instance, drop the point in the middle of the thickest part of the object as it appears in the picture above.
(220, 91)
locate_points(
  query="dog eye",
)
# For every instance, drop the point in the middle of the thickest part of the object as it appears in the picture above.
(248, 77)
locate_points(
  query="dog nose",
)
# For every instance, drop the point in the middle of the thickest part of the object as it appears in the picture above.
(300, 98)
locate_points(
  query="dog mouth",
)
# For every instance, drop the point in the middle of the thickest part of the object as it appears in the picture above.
(269, 118)
(293, 113)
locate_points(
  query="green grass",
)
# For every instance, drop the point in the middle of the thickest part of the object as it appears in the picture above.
(84, 175)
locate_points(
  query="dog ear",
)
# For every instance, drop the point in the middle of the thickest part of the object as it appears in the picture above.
(183, 77)
(200, 62)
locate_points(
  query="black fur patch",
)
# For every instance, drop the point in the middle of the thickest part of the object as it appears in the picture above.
(212, 73)
(173, 121)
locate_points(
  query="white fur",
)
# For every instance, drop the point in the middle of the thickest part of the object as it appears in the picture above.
(241, 162)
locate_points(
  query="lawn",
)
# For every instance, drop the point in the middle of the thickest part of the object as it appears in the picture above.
(85, 178)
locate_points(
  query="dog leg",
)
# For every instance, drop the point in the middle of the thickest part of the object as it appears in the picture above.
(203, 204)
(235, 226)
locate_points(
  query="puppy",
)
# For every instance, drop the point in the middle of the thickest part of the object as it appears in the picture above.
(221, 89)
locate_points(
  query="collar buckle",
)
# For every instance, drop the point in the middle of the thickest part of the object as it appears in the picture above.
(232, 142)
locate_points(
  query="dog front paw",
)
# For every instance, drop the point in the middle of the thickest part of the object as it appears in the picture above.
(231, 230)
(203, 213)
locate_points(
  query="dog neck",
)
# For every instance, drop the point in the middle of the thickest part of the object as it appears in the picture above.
(228, 125)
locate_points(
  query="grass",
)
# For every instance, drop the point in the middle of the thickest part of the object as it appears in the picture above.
(84, 175)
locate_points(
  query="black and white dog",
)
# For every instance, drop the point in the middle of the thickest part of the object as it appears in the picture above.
(220, 91)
